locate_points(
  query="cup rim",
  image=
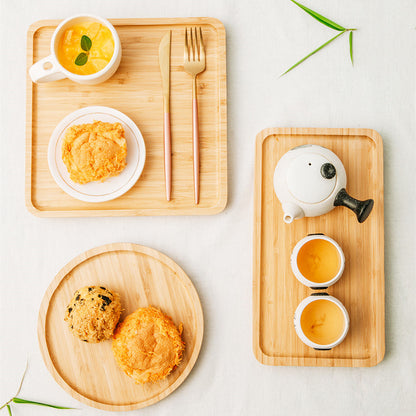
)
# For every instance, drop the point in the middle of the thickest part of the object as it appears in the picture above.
(294, 261)
(117, 47)
(298, 315)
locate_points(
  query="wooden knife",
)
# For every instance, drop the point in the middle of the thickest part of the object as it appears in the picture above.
(164, 62)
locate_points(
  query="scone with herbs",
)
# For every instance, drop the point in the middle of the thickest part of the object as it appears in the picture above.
(94, 152)
(93, 313)
(147, 345)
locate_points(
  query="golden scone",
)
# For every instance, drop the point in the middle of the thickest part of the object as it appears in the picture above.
(94, 152)
(93, 313)
(147, 345)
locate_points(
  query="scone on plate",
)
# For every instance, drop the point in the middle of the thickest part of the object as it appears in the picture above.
(93, 313)
(95, 151)
(147, 345)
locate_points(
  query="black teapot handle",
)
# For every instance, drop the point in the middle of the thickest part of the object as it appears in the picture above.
(361, 208)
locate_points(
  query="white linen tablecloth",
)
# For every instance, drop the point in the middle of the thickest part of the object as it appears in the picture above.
(264, 38)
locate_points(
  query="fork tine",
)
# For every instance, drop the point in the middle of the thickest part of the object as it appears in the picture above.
(186, 50)
(192, 57)
(197, 45)
(201, 41)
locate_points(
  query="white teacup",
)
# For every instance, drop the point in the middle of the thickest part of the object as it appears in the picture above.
(304, 278)
(300, 310)
(49, 68)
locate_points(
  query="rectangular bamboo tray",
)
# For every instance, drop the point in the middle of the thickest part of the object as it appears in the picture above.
(136, 90)
(276, 291)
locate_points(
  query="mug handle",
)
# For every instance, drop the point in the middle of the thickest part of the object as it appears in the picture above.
(39, 73)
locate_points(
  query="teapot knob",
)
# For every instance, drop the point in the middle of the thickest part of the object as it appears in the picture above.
(328, 170)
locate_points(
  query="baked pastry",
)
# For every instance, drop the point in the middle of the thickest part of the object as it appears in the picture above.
(95, 151)
(93, 313)
(147, 345)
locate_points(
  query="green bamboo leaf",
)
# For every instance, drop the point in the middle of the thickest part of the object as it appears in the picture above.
(81, 59)
(312, 53)
(320, 18)
(86, 43)
(9, 410)
(352, 60)
(17, 400)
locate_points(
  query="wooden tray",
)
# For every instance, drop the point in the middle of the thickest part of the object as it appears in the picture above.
(136, 90)
(277, 293)
(142, 276)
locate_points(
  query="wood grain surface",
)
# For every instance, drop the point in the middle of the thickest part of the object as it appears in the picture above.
(277, 293)
(142, 276)
(136, 90)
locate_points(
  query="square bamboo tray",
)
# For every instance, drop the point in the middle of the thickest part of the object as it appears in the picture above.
(136, 90)
(276, 291)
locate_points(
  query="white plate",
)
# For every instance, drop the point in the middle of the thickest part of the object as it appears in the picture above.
(112, 187)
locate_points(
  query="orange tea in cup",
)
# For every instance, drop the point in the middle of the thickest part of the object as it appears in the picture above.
(322, 322)
(317, 261)
(85, 48)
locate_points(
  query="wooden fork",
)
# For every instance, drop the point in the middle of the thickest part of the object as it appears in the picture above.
(194, 64)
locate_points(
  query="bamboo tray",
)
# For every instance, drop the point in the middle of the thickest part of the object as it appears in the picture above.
(136, 90)
(277, 293)
(142, 276)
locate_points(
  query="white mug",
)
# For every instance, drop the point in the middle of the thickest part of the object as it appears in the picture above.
(49, 68)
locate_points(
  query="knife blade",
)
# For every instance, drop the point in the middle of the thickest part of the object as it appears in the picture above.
(164, 63)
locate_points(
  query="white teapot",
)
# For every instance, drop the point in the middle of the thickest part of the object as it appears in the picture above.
(310, 180)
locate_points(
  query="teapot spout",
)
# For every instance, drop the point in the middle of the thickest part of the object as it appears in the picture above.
(291, 212)
(361, 209)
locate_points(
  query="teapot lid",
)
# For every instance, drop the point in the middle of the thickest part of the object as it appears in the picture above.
(311, 178)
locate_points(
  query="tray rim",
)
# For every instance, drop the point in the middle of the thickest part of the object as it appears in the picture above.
(259, 354)
(223, 140)
(79, 259)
